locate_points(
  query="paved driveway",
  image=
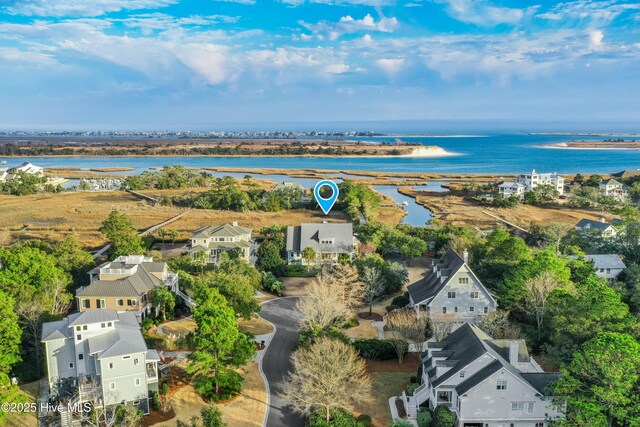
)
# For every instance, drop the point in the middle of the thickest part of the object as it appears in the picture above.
(276, 361)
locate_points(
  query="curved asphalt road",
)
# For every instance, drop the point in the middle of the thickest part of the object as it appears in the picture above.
(276, 361)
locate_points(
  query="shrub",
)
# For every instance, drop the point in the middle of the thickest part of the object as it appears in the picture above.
(350, 323)
(402, 423)
(442, 417)
(339, 418)
(271, 284)
(391, 307)
(365, 420)
(156, 401)
(413, 379)
(401, 300)
(424, 418)
(411, 388)
(164, 389)
(147, 323)
(374, 348)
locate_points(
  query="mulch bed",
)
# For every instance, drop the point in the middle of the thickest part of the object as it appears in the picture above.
(409, 364)
(401, 412)
(374, 316)
(156, 417)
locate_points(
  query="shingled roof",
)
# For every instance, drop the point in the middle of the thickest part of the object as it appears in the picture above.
(429, 287)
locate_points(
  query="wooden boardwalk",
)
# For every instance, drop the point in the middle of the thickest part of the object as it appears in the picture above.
(510, 224)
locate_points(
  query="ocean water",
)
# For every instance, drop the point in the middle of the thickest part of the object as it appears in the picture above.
(497, 153)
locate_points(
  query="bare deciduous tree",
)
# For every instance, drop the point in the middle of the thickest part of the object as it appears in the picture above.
(409, 327)
(498, 325)
(442, 324)
(327, 375)
(373, 285)
(322, 307)
(345, 281)
(538, 289)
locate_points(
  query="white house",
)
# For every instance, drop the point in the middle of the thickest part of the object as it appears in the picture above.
(126, 284)
(601, 227)
(509, 188)
(328, 241)
(608, 266)
(98, 356)
(289, 185)
(485, 382)
(217, 239)
(451, 287)
(611, 187)
(530, 181)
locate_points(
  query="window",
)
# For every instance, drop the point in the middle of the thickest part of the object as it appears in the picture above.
(451, 294)
(486, 310)
(132, 302)
(80, 356)
(78, 328)
(79, 337)
(103, 325)
(109, 324)
(501, 385)
(86, 303)
(444, 310)
(126, 357)
(463, 280)
(112, 386)
(530, 407)
(135, 361)
(110, 365)
(462, 374)
(71, 365)
(517, 406)
(472, 309)
(539, 424)
(137, 381)
(120, 302)
(608, 271)
(474, 294)
(84, 327)
(455, 309)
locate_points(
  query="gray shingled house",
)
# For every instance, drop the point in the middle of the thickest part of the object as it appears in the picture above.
(328, 240)
(217, 239)
(451, 287)
(99, 356)
(485, 382)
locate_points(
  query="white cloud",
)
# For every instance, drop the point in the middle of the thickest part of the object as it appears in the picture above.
(482, 13)
(599, 12)
(349, 25)
(16, 58)
(595, 39)
(374, 3)
(58, 8)
(337, 69)
(391, 65)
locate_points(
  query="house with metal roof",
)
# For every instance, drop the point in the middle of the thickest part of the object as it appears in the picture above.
(484, 382)
(125, 284)
(329, 241)
(217, 239)
(608, 266)
(598, 227)
(289, 185)
(98, 357)
(451, 287)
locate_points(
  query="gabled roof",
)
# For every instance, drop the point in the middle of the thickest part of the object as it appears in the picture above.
(223, 230)
(122, 340)
(140, 282)
(589, 223)
(312, 234)
(613, 261)
(627, 173)
(467, 344)
(428, 287)
(541, 380)
(610, 181)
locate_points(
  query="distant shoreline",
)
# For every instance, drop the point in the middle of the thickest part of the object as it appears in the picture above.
(594, 145)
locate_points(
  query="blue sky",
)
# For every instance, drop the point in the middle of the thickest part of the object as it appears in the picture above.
(199, 64)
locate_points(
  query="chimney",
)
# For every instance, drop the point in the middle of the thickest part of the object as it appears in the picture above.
(234, 223)
(513, 352)
(602, 220)
(465, 255)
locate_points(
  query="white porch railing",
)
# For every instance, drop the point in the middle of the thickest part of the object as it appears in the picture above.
(410, 405)
(187, 299)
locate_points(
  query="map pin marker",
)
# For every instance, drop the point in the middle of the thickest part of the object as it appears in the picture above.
(326, 204)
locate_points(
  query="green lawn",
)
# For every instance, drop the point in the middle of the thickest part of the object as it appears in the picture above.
(384, 385)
